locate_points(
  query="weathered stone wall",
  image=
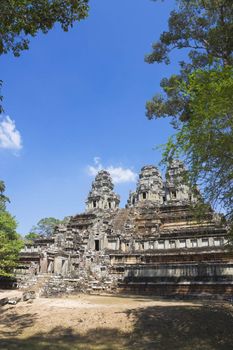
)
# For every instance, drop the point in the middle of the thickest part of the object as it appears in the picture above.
(207, 271)
(207, 290)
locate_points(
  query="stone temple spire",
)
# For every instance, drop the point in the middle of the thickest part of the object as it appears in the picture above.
(101, 195)
(149, 186)
(177, 190)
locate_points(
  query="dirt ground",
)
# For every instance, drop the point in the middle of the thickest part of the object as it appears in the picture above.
(86, 322)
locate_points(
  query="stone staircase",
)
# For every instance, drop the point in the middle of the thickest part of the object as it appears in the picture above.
(120, 219)
(34, 284)
(26, 281)
(57, 285)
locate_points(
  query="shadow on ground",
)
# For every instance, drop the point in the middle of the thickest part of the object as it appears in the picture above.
(13, 323)
(205, 327)
(183, 328)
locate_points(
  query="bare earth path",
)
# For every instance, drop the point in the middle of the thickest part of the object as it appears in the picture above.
(86, 322)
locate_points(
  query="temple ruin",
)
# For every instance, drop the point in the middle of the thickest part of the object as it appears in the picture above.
(156, 244)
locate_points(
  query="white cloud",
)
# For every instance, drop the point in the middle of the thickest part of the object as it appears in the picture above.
(118, 174)
(93, 170)
(10, 137)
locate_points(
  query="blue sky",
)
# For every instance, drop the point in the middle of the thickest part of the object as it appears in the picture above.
(78, 100)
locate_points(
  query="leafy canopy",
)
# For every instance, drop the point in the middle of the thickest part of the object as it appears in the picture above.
(45, 227)
(31, 236)
(205, 140)
(10, 242)
(203, 28)
(199, 99)
(22, 19)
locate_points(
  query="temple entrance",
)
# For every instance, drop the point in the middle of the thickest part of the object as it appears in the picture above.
(97, 245)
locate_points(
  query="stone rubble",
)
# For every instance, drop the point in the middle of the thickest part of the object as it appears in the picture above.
(14, 301)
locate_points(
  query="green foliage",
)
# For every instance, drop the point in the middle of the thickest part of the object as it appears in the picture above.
(9, 252)
(46, 226)
(10, 241)
(205, 139)
(3, 198)
(31, 236)
(199, 98)
(204, 29)
(22, 19)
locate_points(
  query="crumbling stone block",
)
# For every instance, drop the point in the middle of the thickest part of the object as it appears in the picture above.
(29, 295)
(14, 301)
(3, 301)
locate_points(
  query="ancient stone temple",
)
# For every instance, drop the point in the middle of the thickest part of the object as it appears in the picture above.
(154, 245)
(149, 187)
(101, 195)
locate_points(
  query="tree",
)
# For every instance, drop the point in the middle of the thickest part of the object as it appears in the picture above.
(10, 241)
(3, 198)
(46, 226)
(31, 236)
(22, 19)
(204, 28)
(199, 98)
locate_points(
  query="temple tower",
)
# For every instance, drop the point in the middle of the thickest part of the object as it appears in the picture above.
(176, 189)
(101, 195)
(149, 187)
